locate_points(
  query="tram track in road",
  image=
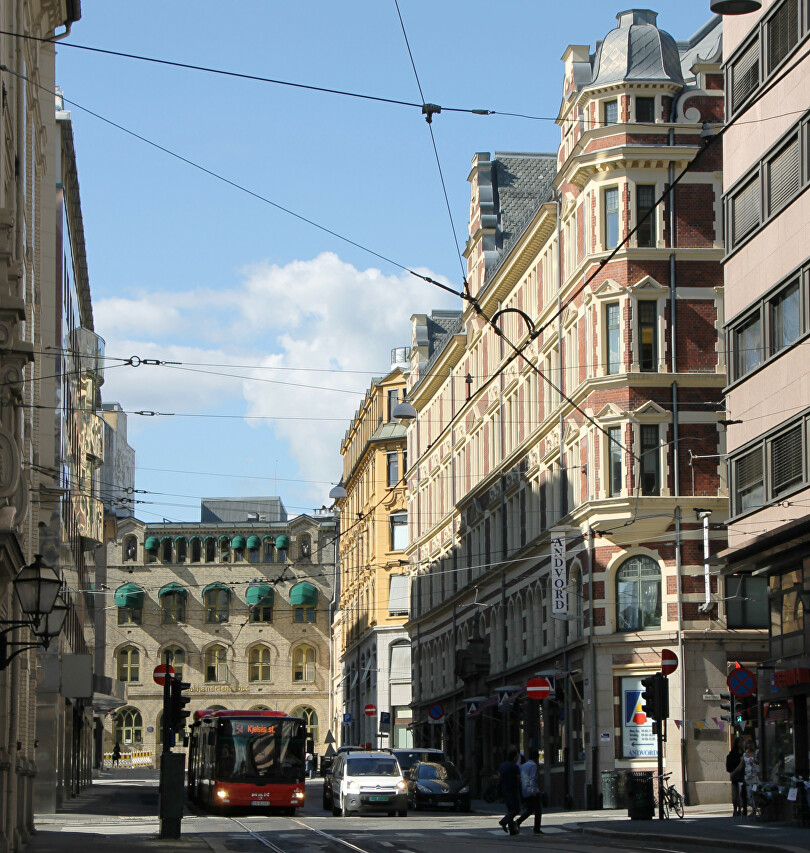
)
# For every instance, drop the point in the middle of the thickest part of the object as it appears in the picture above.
(271, 845)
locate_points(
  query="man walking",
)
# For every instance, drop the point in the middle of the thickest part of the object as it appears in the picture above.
(509, 787)
(530, 788)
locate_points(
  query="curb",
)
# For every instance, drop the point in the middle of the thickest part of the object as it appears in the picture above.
(704, 841)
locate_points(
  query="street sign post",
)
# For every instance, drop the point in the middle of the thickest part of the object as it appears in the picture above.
(159, 673)
(538, 688)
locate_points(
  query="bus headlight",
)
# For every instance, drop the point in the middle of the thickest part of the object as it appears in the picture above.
(298, 795)
(222, 794)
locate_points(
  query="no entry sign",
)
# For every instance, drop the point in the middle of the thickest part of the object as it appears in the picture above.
(742, 682)
(538, 688)
(370, 710)
(669, 661)
(159, 673)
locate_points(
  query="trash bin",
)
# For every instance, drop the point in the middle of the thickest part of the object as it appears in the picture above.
(610, 785)
(639, 790)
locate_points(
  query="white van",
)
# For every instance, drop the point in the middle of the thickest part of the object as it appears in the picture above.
(368, 782)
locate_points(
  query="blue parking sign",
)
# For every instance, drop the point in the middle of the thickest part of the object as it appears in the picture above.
(347, 718)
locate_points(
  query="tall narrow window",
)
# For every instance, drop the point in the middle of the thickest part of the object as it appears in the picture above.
(744, 75)
(399, 531)
(181, 547)
(259, 664)
(196, 550)
(612, 333)
(645, 110)
(304, 664)
(216, 666)
(786, 317)
(611, 201)
(645, 215)
(747, 340)
(787, 460)
(784, 176)
(614, 462)
(749, 484)
(129, 668)
(648, 336)
(393, 468)
(745, 211)
(650, 460)
(610, 112)
(393, 399)
(638, 594)
(783, 33)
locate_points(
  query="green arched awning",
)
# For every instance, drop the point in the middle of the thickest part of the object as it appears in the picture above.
(216, 585)
(238, 542)
(260, 593)
(129, 595)
(166, 539)
(253, 542)
(150, 543)
(303, 594)
(177, 588)
(224, 539)
(181, 539)
(282, 543)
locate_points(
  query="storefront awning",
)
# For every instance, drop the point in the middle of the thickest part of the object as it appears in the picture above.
(303, 594)
(253, 542)
(150, 543)
(129, 595)
(173, 588)
(238, 542)
(260, 594)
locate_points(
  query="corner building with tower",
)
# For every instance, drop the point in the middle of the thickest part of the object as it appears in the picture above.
(564, 504)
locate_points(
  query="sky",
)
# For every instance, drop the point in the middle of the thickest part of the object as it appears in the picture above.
(275, 327)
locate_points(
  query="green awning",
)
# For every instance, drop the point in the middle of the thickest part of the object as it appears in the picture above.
(253, 542)
(303, 594)
(260, 593)
(129, 595)
(177, 588)
(150, 543)
(166, 539)
(282, 542)
(217, 585)
(182, 539)
(224, 538)
(238, 542)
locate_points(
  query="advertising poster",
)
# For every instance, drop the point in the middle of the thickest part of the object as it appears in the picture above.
(638, 740)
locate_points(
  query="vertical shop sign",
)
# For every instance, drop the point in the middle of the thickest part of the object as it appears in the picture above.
(638, 740)
(559, 574)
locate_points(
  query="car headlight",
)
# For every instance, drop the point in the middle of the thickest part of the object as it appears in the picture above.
(422, 789)
(352, 786)
(401, 786)
(464, 790)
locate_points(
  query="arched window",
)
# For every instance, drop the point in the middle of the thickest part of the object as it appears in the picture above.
(238, 546)
(269, 551)
(210, 549)
(305, 547)
(217, 603)
(224, 550)
(638, 594)
(259, 664)
(166, 550)
(173, 603)
(130, 549)
(181, 546)
(128, 728)
(216, 665)
(129, 664)
(310, 718)
(196, 549)
(178, 659)
(304, 664)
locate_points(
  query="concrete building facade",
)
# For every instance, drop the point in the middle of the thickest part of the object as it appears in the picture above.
(767, 269)
(374, 649)
(241, 600)
(563, 501)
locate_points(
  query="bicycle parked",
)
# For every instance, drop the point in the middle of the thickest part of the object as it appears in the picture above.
(671, 799)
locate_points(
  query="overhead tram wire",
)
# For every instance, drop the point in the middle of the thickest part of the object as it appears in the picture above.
(258, 196)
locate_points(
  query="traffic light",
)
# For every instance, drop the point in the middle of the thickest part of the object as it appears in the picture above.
(177, 703)
(727, 704)
(747, 712)
(656, 696)
(650, 697)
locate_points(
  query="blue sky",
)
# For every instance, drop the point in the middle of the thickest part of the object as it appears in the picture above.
(278, 326)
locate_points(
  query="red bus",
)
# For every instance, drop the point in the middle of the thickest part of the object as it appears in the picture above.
(247, 759)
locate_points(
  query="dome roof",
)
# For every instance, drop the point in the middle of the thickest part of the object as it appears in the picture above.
(637, 50)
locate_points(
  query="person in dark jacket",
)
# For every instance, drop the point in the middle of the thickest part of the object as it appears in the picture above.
(733, 762)
(509, 787)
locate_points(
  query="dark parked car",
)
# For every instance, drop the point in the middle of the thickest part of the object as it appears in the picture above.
(408, 757)
(439, 784)
(327, 773)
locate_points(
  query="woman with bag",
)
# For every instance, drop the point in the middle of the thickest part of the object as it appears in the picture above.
(750, 769)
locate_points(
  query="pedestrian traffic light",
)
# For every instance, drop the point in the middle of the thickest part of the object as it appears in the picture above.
(650, 697)
(177, 703)
(747, 712)
(727, 704)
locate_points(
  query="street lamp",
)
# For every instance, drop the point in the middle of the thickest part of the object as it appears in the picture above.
(735, 7)
(404, 411)
(37, 589)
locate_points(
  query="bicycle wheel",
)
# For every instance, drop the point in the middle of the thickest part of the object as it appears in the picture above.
(677, 803)
(665, 803)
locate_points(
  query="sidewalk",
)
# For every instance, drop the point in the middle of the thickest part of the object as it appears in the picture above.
(707, 825)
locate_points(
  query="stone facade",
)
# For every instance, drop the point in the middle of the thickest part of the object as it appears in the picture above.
(556, 497)
(247, 622)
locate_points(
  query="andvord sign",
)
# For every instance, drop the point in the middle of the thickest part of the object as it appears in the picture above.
(559, 574)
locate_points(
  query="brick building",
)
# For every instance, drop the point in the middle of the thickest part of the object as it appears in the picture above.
(241, 599)
(558, 501)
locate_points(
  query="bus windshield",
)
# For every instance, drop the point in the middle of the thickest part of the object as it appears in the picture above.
(261, 750)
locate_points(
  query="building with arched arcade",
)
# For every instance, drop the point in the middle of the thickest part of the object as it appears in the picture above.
(240, 600)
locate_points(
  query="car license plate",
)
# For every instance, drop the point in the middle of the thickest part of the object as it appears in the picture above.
(378, 798)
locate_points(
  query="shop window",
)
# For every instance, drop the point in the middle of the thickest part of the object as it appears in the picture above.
(638, 595)
(787, 614)
(310, 718)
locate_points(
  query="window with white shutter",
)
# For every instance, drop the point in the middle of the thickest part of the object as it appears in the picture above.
(782, 31)
(745, 211)
(787, 462)
(749, 484)
(744, 75)
(784, 176)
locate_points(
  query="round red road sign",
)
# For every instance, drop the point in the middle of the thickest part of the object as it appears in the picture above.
(742, 682)
(538, 688)
(669, 661)
(370, 710)
(159, 673)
